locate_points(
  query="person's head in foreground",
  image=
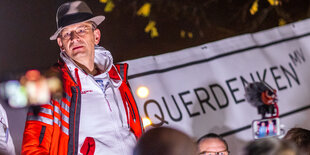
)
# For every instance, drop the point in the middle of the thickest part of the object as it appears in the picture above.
(270, 146)
(301, 137)
(212, 144)
(165, 141)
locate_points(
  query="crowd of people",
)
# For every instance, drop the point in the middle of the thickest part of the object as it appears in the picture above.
(97, 113)
(167, 141)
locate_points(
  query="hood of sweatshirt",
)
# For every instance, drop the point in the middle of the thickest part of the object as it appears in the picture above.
(103, 61)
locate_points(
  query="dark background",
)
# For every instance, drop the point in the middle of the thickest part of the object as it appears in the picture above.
(26, 26)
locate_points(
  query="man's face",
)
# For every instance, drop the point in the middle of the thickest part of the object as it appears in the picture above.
(78, 41)
(212, 146)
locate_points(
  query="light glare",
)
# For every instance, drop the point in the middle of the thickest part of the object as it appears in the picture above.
(143, 92)
(146, 122)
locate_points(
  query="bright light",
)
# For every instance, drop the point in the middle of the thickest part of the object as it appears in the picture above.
(143, 92)
(146, 122)
(16, 94)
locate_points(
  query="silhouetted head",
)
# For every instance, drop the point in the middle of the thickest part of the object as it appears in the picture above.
(165, 141)
(270, 146)
(301, 137)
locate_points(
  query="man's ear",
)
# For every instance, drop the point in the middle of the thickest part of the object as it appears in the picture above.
(60, 44)
(97, 36)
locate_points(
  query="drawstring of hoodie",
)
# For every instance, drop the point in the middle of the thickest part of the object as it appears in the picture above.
(78, 78)
(114, 96)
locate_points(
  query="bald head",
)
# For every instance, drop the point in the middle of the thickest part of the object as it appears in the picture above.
(212, 143)
(165, 141)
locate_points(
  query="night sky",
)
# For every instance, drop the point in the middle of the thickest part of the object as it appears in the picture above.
(26, 26)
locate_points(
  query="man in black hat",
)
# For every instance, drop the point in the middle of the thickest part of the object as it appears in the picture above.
(97, 114)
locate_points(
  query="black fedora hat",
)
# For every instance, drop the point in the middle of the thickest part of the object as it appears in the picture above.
(72, 13)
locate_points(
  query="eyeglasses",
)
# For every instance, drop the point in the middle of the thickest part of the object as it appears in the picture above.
(225, 152)
(80, 31)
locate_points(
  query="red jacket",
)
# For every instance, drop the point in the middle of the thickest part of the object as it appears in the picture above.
(55, 129)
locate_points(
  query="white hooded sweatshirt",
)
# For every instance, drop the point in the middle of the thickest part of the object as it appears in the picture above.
(102, 116)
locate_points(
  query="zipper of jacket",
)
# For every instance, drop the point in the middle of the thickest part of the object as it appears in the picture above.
(74, 120)
(94, 81)
(133, 114)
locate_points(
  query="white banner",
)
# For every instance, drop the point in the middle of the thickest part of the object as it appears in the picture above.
(201, 89)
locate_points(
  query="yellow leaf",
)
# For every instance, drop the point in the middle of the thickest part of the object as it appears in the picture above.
(254, 7)
(154, 32)
(282, 22)
(144, 10)
(103, 1)
(149, 26)
(182, 34)
(274, 2)
(109, 6)
(190, 35)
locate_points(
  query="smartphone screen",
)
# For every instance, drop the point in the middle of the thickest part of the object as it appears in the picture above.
(266, 128)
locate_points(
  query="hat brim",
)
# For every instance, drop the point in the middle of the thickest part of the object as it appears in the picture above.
(96, 19)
